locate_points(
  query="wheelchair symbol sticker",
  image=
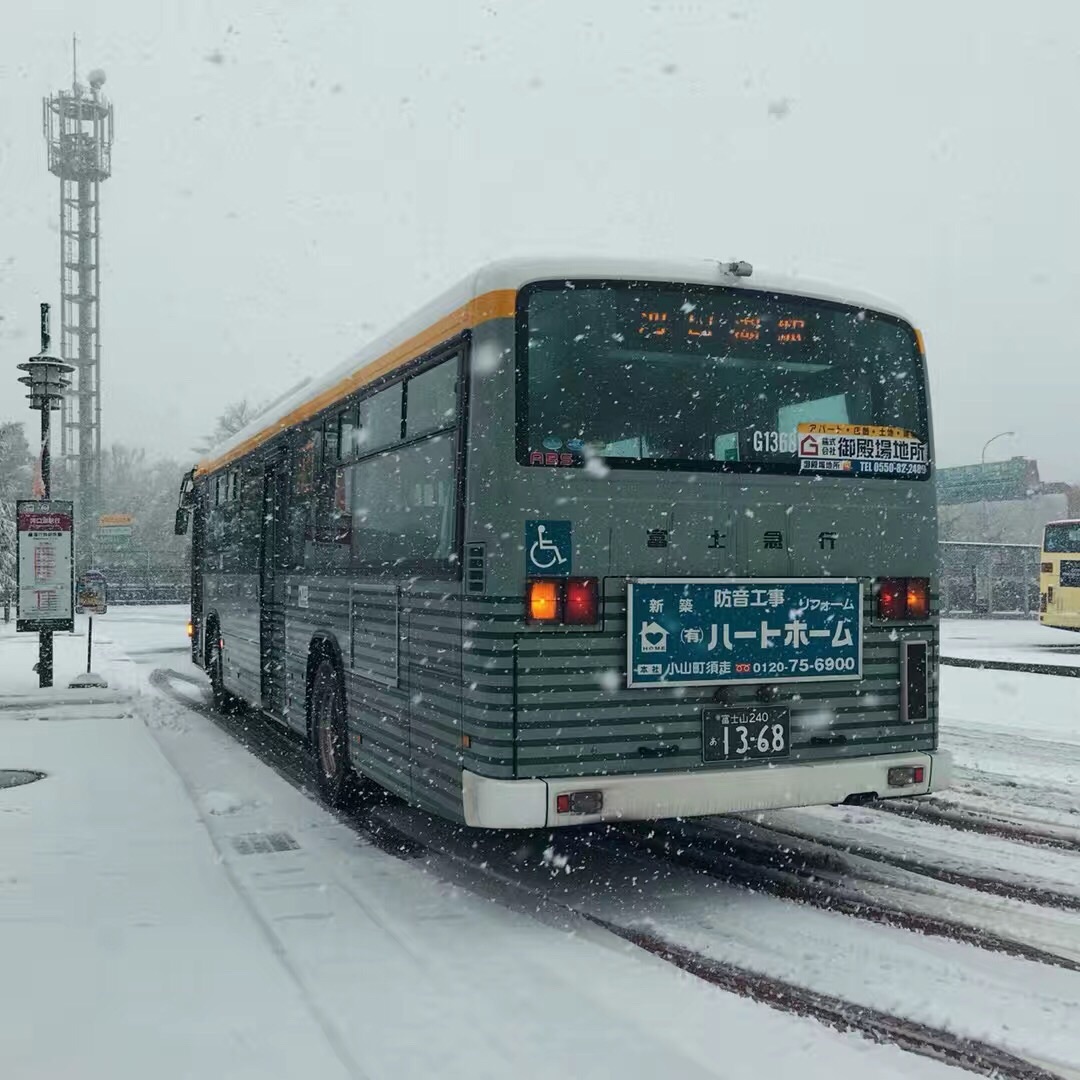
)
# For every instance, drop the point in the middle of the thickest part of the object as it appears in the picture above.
(548, 549)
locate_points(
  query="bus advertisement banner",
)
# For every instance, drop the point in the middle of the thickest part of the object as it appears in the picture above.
(45, 565)
(710, 631)
(861, 449)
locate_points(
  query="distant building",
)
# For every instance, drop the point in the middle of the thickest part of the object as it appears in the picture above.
(1001, 502)
(990, 523)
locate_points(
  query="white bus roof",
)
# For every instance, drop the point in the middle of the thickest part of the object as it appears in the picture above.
(488, 293)
(513, 273)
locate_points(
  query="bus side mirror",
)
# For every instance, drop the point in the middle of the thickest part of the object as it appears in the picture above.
(183, 516)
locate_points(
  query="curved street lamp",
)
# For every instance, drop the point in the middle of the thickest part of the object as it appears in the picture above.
(993, 438)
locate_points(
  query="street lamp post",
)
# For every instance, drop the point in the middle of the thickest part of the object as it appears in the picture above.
(986, 522)
(48, 378)
(999, 435)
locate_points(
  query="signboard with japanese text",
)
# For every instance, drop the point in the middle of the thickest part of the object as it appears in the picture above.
(860, 449)
(91, 596)
(45, 565)
(994, 481)
(115, 527)
(710, 631)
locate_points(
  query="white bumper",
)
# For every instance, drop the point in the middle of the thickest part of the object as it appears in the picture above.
(530, 804)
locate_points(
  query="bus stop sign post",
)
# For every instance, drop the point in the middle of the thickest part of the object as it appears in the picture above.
(93, 599)
(47, 378)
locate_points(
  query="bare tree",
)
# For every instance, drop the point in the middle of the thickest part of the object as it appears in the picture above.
(236, 416)
(15, 463)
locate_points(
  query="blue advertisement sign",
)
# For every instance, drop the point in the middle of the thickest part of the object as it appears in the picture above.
(709, 631)
(548, 549)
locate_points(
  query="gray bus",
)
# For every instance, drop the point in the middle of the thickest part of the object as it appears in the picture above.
(591, 540)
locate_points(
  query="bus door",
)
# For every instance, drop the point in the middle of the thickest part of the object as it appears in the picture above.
(272, 586)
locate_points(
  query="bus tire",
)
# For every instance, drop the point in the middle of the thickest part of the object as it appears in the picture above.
(224, 702)
(334, 775)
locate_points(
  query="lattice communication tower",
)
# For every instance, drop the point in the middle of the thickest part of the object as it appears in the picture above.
(78, 128)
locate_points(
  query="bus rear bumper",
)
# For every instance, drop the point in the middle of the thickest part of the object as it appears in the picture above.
(531, 804)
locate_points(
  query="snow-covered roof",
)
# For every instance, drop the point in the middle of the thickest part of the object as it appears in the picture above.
(488, 293)
(513, 273)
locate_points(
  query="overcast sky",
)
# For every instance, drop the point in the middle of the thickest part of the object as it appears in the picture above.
(290, 179)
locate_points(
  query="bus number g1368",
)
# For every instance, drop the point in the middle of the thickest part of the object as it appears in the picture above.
(775, 442)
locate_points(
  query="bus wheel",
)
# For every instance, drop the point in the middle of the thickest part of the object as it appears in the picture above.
(223, 701)
(329, 733)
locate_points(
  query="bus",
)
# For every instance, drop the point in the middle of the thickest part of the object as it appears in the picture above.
(1059, 576)
(591, 540)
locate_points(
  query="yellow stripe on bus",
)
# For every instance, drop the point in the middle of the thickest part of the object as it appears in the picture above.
(499, 304)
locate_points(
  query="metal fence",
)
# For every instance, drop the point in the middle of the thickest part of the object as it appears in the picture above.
(147, 577)
(989, 579)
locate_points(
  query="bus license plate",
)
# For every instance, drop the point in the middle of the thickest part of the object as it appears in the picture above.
(739, 734)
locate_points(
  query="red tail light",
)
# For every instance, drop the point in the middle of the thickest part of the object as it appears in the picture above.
(891, 598)
(902, 598)
(582, 606)
(570, 601)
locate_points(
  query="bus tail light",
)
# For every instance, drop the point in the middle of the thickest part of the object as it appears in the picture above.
(891, 598)
(1046, 568)
(570, 601)
(579, 802)
(905, 775)
(918, 598)
(902, 598)
(190, 630)
(542, 601)
(582, 606)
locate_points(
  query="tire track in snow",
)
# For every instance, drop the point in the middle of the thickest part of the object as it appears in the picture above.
(1029, 894)
(767, 868)
(956, 817)
(968, 1054)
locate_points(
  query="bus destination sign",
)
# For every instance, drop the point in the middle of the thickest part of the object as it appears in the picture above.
(711, 631)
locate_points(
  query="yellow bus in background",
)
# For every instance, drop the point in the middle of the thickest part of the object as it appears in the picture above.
(1059, 575)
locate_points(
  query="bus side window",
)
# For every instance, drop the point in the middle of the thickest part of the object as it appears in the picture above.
(347, 431)
(249, 491)
(330, 442)
(379, 421)
(306, 462)
(403, 506)
(431, 399)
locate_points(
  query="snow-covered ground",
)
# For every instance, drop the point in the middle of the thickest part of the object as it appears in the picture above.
(172, 907)
(1023, 640)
